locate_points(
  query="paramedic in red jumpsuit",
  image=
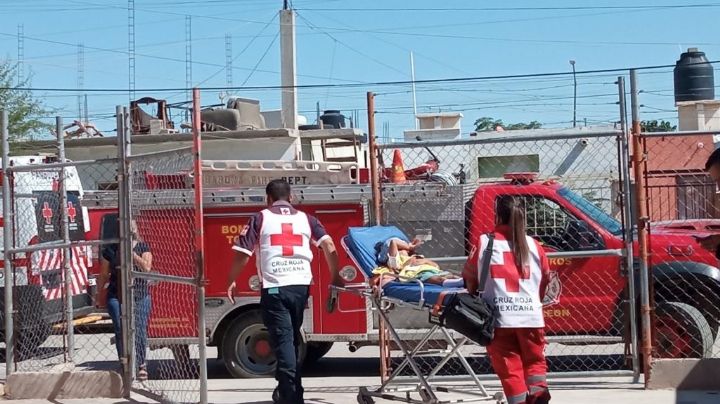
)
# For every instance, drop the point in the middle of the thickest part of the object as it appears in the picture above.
(515, 286)
(282, 235)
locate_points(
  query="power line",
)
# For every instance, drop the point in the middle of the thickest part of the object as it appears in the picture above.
(247, 46)
(260, 60)
(353, 49)
(381, 83)
(166, 58)
(540, 8)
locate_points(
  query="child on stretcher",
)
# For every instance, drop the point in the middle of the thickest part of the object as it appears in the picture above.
(399, 257)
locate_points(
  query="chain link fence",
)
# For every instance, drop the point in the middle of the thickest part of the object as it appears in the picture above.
(164, 291)
(53, 256)
(573, 209)
(682, 205)
(104, 267)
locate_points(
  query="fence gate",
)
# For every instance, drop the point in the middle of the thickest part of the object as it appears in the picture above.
(576, 215)
(160, 220)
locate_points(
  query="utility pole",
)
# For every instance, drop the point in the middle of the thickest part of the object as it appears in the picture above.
(572, 63)
(412, 77)
(228, 61)
(188, 63)
(80, 79)
(287, 67)
(20, 54)
(131, 49)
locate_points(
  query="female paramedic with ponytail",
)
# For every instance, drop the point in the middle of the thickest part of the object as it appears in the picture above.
(515, 287)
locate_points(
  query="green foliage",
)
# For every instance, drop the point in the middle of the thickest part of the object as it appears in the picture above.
(655, 126)
(487, 124)
(24, 110)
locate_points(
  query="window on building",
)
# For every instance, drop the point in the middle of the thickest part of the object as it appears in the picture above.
(497, 166)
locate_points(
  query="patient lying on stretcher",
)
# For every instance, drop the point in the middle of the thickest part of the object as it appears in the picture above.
(398, 257)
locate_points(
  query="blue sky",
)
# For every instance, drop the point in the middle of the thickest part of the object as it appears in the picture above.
(341, 41)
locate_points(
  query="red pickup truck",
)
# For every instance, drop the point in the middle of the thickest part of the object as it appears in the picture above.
(587, 295)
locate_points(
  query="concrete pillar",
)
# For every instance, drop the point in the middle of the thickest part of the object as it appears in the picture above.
(287, 69)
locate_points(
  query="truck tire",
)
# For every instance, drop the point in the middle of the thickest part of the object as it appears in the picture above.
(316, 350)
(682, 331)
(246, 347)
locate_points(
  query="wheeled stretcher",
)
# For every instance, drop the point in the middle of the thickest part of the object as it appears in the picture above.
(389, 291)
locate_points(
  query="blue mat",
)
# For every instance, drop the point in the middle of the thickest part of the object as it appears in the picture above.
(361, 242)
(410, 292)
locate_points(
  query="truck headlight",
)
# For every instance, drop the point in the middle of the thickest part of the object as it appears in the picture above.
(254, 283)
(348, 273)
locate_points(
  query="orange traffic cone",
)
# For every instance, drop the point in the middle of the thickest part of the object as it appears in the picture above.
(398, 169)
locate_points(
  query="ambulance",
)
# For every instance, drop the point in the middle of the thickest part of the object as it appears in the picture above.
(39, 289)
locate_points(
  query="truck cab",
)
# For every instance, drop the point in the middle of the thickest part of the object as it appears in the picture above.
(586, 293)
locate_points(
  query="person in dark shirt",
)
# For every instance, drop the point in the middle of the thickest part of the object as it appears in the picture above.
(712, 166)
(110, 279)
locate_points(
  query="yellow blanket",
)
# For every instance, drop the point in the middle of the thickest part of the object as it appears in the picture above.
(422, 271)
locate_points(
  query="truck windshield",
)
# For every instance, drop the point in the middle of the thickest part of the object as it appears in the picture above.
(597, 214)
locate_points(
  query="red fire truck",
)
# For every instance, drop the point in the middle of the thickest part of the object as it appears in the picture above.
(586, 294)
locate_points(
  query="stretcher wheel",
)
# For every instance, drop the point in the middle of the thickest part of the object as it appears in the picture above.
(363, 398)
(500, 397)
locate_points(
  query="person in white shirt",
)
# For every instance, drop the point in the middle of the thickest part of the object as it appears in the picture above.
(281, 236)
(515, 287)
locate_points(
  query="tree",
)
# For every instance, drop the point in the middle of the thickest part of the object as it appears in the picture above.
(487, 124)
(24, 110)
(655, 126)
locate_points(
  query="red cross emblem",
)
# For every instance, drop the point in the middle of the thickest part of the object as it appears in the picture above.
(71, 212)
(47, 213)
(509, 272)
(287, 239)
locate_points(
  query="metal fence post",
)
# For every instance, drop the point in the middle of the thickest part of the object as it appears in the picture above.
(199, 243)
(628, 213)
(67, 271)
(374, 174)
(123, 200)
(638, 154)
(8, 224)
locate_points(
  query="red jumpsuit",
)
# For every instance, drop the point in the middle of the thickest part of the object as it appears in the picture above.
(517, 350)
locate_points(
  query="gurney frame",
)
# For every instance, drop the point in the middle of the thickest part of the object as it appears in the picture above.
(400, 390)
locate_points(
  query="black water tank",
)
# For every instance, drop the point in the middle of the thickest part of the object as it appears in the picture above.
(694, 78)
(333, 119)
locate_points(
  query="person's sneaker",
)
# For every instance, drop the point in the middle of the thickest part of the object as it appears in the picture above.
(142, 374)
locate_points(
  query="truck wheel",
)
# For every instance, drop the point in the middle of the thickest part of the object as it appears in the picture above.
(682, 331)
(316, 350)
(246, 348)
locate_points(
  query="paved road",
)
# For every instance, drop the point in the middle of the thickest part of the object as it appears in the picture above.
(337, 377)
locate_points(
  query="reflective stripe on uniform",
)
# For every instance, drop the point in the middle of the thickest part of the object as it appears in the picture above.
(518, 399)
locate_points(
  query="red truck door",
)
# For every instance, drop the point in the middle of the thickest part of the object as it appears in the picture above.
(583, 292)
(352, 318)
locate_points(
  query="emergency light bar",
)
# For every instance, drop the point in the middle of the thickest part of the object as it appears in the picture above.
(521, 178)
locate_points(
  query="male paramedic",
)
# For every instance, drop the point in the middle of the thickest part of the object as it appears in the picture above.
(282, 235)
